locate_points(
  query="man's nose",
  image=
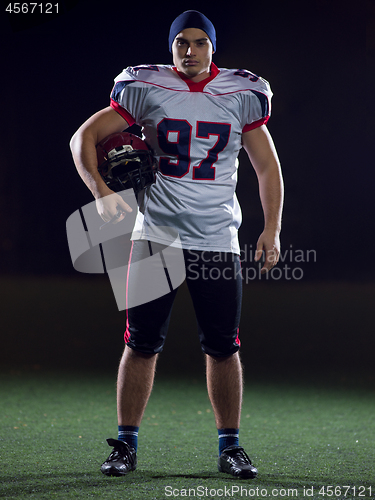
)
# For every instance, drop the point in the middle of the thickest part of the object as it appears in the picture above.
(190, 51)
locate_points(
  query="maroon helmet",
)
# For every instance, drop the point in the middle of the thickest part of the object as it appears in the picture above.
(125, 161)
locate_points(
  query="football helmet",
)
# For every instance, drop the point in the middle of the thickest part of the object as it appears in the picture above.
(125, 161)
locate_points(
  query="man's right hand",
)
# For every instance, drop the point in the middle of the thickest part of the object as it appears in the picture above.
(111, 205)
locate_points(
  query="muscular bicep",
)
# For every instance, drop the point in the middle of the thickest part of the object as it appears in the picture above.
(103, 123)
(260, 148)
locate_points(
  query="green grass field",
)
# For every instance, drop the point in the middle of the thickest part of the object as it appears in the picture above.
(309, 404)
(300, 435)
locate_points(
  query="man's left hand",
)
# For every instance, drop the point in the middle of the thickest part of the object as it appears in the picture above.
(269, 243)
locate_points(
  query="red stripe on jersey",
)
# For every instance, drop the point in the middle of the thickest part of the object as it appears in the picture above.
(255, 124)
(121, 111)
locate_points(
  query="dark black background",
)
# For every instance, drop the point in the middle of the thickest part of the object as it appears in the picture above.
(58, 70)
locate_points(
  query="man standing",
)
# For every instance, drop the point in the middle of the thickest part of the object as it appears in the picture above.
(195, 117)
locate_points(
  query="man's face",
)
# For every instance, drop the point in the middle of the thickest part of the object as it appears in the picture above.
(192, 53)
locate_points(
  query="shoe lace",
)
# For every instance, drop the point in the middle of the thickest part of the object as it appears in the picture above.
(122, 451)
(241, 456)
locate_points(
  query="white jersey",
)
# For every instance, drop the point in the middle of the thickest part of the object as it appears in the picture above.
(194, 130)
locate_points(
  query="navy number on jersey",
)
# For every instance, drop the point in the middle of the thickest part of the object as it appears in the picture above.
(205, 170)
(174, 137)
(247, 74)
(148, 67)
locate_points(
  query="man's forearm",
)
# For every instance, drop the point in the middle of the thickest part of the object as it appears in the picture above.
(84, 155)
(271, 190)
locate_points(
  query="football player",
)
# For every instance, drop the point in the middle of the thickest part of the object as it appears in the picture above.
(196, 118)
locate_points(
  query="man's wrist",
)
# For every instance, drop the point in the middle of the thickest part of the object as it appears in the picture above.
(273, 229)
(100, 189)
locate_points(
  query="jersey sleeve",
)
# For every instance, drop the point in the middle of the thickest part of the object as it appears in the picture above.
(256, 105)
(127, 96)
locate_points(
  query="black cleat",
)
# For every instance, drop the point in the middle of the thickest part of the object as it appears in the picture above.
(234, 460)
(122, 460)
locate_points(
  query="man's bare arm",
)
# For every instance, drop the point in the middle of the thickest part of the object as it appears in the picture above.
(83, 147)
(262, 153)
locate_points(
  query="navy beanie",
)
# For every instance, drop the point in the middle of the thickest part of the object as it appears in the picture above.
(192, 19)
